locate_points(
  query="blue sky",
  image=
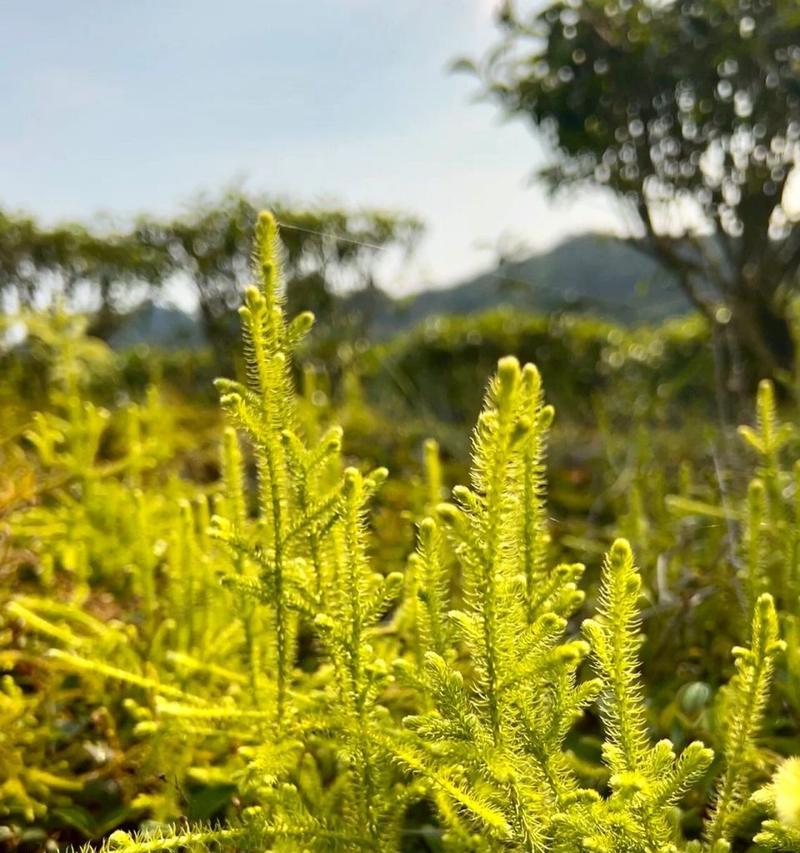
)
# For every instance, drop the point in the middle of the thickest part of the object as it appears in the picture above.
(114, 106)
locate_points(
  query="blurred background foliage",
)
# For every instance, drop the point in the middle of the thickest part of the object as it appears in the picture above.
(205, 252)
(688, 112)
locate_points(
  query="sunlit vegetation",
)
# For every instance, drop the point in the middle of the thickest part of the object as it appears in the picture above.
(230, 627)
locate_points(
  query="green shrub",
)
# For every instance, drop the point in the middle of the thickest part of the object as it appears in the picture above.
(267, 681)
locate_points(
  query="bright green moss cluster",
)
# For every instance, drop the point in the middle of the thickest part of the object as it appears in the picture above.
(270, 659)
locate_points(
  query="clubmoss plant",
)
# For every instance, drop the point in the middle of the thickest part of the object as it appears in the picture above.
(279, 669)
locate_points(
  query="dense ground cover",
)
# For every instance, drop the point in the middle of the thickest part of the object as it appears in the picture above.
(247, 637)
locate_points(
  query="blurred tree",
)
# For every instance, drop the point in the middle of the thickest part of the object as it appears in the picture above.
(38, 264)
(688, 110)
(206, 248)
(326, 250)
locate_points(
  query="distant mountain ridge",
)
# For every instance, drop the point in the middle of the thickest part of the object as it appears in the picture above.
(602, 275)
(592, 273)
(164, 326)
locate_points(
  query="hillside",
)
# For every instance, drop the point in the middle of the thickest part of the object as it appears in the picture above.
(166, 326)
(596, 274)
(591, 273)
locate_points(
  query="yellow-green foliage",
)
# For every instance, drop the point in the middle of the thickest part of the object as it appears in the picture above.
(243, 662)
(782, 798)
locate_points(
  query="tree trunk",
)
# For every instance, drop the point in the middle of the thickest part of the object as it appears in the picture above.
(765, 335)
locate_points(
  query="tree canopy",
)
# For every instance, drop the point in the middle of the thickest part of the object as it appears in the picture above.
(207, 248)
(690, 112)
